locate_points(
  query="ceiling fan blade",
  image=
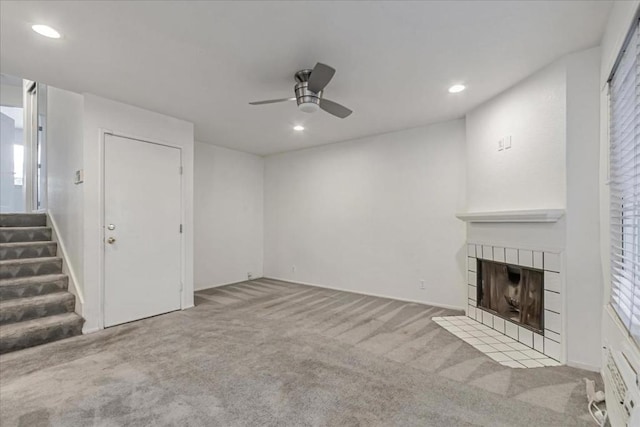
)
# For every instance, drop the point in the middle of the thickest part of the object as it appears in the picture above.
(334, 108)
(272, 101)
(320, 77)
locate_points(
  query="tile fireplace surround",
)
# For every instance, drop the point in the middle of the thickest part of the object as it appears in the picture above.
(550, 342)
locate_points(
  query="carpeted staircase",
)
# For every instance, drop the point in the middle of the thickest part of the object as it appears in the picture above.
(35, 306)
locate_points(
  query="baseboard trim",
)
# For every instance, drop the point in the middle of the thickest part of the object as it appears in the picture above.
(584, 366)
(226, 284)
(433, 304)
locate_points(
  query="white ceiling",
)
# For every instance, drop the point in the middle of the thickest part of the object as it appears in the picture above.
(204, 61)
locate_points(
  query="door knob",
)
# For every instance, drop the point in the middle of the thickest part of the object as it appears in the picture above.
(111, 240)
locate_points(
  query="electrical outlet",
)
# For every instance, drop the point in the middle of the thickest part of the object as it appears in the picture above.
(249, 275)
(501, 144)
(421, 284)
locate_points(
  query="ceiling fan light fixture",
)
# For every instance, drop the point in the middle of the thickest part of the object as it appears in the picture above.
(308, 107)
(457, 88)
(298, 128)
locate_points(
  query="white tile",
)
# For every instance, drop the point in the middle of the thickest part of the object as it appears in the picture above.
(511, 330)
(472, 292)
(552, 282)
(552, 261)
(538, 342)
(471, 311)
(453, 329)
(472, 278)
(478, 251)
(498, 324)
(498, 254)
(479, 315)
(485, 348)
(499, 357)
(549, 362)
(501, 347)
(512, 364)
(473, 341)
(525, 258)
(525, 336)
(493, 332)
(552, 349)
(487, 318)
(464, 335)
(531, 363)
(537, 260)
(516, 355)
(487, 252)
(505, 339)
(552, 301)
(552, 335)
(518, 346)
(534, 354)
(511, 256)
(471, 251)
(552, 321)
(472, 264)
(489, 340)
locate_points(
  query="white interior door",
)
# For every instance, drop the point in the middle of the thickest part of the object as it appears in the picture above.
(142, 205)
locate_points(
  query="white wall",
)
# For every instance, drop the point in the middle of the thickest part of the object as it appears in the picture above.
(582, 256)
(531, 174)
(228, 215)
(65, 200)
(100, 113)
(374, 215)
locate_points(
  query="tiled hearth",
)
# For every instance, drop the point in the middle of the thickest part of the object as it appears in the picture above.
(501, 348)
(540, 346)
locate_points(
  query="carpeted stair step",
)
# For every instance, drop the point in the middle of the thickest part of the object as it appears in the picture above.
(19, 250)
(23, 287)
(24, 234)
(14, 268)
(23, 220)
(21, 309)
(21, 335)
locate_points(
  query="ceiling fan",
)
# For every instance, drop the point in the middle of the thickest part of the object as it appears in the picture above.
(309, 88)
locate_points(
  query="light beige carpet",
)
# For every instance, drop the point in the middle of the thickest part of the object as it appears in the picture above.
(271, 353)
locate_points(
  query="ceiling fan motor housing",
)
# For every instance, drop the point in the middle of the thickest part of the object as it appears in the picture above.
(308, 101)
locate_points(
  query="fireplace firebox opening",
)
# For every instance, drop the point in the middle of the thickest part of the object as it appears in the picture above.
(512, 292)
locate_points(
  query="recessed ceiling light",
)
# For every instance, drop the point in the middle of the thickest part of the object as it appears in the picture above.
(298, 128)
(457, 88)
(45, 30)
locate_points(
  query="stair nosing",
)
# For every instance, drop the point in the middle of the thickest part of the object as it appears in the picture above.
(7, 329)
(26, 279)
(29, 260)
(37, 299)
(29, 243)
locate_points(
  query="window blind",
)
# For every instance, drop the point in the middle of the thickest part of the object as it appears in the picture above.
(624, 182)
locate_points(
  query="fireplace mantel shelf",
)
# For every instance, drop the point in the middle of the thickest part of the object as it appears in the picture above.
(533, 215)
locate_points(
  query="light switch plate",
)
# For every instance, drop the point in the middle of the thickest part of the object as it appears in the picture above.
(507, 143)
(79, 176)
(501, 145)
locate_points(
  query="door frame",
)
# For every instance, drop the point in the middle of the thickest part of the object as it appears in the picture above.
(101, 189)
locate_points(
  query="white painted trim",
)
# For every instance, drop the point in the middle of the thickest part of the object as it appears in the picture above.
(534, 215)
(101, 190)
(67, 267)
(228, 283)
(433, 304)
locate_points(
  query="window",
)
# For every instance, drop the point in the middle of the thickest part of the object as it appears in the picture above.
(624, 93)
